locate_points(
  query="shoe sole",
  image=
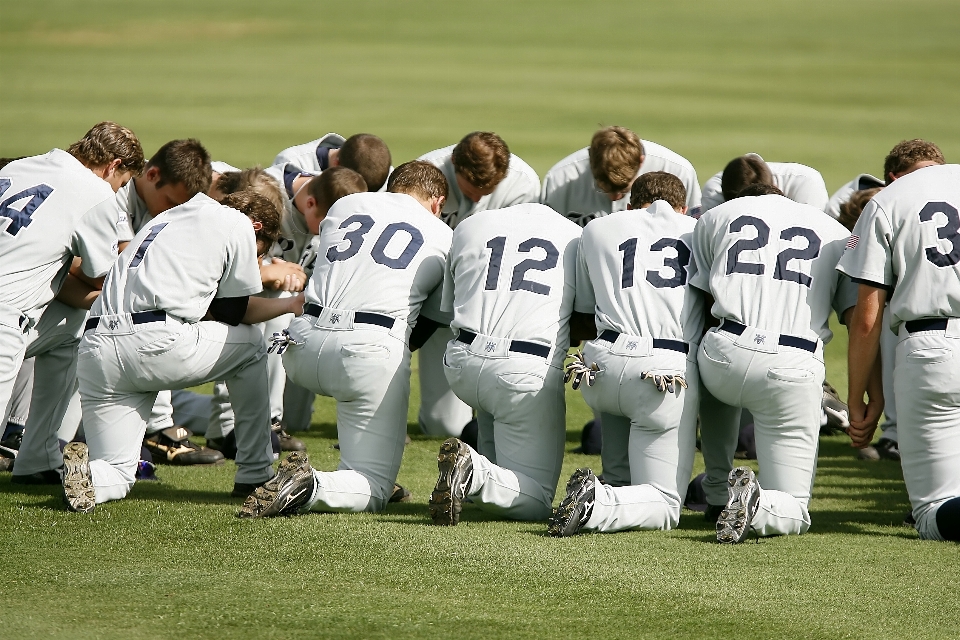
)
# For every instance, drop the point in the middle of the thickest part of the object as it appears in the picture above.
(445, 506)
(262, 503)
(78, 490)
(734, 521)
(563, 515)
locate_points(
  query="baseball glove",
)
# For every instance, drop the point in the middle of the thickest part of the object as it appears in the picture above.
(579, 370)
(664, 382)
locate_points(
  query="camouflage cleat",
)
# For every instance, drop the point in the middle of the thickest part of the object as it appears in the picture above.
(453, 484)
(577, 507)
(78, 490)
(734, 521)
(288, 491)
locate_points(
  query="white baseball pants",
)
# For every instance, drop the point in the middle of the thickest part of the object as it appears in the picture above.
(442, 413)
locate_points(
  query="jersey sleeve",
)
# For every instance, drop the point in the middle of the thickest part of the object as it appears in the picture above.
(867, 257)
(712, 195)
(95, 239)
(845, 296)
(699, 274)
(586, 300)
(241, 273)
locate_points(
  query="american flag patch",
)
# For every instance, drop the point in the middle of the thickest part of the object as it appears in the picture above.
(852, 241)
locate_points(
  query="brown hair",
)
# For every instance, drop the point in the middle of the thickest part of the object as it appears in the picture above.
(106, 142)
(616, 154)
(908, 153)
(758, 189)
(255, 179)
(851, 209)
(418, 178)
(744, 171)
(369, 156)
(183, 162)
(658, 185)
(258, 209)
(482, 158)
(333, 184)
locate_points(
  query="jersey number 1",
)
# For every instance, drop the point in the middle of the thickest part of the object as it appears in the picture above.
(22, 218)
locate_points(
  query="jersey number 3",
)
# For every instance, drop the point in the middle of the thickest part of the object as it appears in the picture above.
(20, 219)
(519, 280)
(946, 232)
(781, 272)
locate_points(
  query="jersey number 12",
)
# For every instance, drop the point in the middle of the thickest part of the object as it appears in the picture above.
(518, 281)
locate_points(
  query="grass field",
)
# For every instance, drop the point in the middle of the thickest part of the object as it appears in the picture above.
(831, 84)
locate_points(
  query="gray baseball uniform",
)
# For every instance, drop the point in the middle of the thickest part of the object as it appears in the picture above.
(907, 237)
(510, 283)
(52, 208)
(145, 335)
(442, 413)
(379, 267)
(798, 182)
(632, 274)
(569, 187)
(861, 182)
(770, 264)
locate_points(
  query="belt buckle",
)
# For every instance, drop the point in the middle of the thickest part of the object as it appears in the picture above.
(759, 340)
(336, 319)
(632, 346)
(490, 346)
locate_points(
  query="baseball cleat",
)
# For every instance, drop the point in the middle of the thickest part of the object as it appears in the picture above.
(50, 476)
(287, 441)
(577, 506)
(453, 484)
(289, 490)
(888, 449)
(734, 521)
(400, 494)
(78, 490)
(173, 446)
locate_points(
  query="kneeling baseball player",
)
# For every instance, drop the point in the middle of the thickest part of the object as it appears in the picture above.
(159, 326)
(641, 371)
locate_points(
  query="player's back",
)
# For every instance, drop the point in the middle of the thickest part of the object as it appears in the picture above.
(51, 208)
(771, 263)
(295, 236)
(633, 272)
(310, 156)
(380, 253)
(512, 274)
(919, 215)
(797, 181)
(181, 260)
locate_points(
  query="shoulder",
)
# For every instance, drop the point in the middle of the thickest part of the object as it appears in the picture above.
(439, 157)
(664, 155)
(573, 165)
(793, 169)
(519, 167)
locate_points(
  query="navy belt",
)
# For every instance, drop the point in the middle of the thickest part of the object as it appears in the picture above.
(927, 324)
(361, 317)
(517, 346)
(674, 345)
(141, 317)
(731, 326)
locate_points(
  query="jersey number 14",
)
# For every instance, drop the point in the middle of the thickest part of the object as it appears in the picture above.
(20, 219)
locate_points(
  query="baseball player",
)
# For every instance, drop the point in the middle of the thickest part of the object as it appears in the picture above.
(375, 290)
(596, 181)
(510, 284)
(862, 182)
(482, 174)
(641, 370)
(770, 265)
(906, 157)
(917, 210)
(798, 182)
(159, 326)
(365, 153)
(53, 208)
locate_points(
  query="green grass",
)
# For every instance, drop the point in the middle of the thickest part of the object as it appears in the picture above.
(832, 84)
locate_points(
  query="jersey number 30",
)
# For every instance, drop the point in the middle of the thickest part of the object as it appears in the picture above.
(20, 219)
(781, 272)
(356, 237)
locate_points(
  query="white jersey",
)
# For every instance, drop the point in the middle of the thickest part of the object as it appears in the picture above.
(182, 260)
(294, 234)
(132, 214)
(512, 274)
(522, 184)
(52, 208)
(381, 253)
(770, 263)
(798, 182)
(222, 167)
(908, 239)
(569, 187)
(842, 195)
(313, 156)
(633, 272)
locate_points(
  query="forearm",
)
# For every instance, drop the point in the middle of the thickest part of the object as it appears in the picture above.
(263, 309)
(863, 350)
(77, 293)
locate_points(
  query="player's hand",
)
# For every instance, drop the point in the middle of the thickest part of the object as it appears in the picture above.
(864, 419)
(296, 304)
(281, 275)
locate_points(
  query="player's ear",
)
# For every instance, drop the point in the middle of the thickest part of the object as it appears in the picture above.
(436, 207)
(629, 206)
(152, 174)
(683, 210)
